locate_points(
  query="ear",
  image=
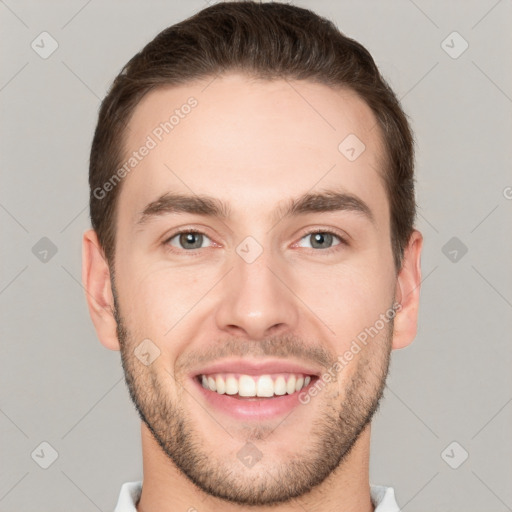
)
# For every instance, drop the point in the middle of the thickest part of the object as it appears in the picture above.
(96, 281)
(408, 293)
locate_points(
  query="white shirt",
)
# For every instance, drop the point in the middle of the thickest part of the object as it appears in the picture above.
(383, 498)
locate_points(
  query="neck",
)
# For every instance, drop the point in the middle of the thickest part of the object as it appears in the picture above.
(166, 489)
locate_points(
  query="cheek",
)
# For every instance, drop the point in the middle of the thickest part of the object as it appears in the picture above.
(157, 299)
(347, 299)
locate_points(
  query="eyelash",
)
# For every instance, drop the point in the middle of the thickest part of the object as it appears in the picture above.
(334, 248)
(308, 233)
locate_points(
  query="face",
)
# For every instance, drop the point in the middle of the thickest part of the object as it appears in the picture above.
(256, 278)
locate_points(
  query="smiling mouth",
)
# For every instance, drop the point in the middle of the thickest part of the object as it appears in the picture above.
(255, 387)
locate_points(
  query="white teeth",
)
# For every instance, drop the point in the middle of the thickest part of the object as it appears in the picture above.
(290, 385)
(246, 386)
(251, 386)
(220, 385)
(280, 386)
(231, 386)
(265, 386)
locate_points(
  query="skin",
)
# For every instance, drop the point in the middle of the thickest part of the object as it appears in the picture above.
(254, 145)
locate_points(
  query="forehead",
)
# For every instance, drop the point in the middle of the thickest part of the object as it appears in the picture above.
(252, 143)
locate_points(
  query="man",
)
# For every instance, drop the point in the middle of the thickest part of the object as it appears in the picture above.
(253, 258)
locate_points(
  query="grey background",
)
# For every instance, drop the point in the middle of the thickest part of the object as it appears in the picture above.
(454, 383)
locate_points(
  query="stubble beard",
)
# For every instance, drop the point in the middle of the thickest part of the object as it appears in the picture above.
(334, 431)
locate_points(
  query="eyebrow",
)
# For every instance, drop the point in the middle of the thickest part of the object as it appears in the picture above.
(326, 201)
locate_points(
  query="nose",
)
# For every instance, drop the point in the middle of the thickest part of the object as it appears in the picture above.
(257, 300)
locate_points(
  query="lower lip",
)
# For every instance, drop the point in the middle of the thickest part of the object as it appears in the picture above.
(252, 408)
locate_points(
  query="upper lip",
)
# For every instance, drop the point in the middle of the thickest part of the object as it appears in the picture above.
(256, 367)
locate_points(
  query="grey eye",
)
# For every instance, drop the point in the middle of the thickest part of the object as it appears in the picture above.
(189, 240)
(320, 240)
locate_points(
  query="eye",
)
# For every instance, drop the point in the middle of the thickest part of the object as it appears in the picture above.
(189, 240)
(320, 240)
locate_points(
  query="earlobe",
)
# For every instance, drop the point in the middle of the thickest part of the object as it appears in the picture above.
(98, 290)
(407, 293)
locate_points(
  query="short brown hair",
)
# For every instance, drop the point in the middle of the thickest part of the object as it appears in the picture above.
(269, 41)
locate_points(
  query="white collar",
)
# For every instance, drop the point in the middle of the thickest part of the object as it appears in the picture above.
(383, 498)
